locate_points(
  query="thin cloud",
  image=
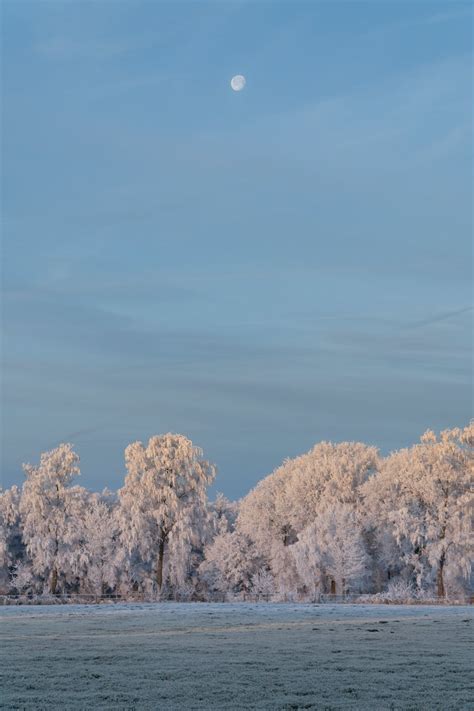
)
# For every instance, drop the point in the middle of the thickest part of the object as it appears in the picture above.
(78, 434)
(440, 317)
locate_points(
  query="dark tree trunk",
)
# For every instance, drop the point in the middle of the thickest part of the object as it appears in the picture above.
(159, 566)
(53, 586)
(442, 560)
(440, 576)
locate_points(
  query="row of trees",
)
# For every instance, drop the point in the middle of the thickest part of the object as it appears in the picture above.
(340, 519)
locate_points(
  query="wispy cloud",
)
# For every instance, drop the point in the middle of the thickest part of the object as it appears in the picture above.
(447, 315)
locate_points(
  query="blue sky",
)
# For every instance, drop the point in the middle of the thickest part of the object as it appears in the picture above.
(258, 270)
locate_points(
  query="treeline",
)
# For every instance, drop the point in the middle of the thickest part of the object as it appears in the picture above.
(340, 520)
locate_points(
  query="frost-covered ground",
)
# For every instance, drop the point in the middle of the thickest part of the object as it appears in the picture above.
(222, 656)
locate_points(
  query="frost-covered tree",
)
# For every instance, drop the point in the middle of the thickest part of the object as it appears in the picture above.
(335, 519)
(331, 554)
(99, 555)
(50, 509)
(329, 473)
(223, 509)
(231, 562)
(423, 496)
(163, 503)
(264, 517)
(24, 581)
(11, 545)
(308, 554)
(285, 503)
(345, 555)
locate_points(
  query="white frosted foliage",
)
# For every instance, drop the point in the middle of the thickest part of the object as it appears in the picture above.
(339, 520)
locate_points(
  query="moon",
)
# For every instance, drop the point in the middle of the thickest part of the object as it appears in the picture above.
(238, 82)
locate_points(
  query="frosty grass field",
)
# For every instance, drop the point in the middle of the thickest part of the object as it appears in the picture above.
(236, 656)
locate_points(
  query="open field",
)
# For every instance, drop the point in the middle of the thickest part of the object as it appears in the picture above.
(236, 656)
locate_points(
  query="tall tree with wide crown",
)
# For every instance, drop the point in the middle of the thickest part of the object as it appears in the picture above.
(163, 497)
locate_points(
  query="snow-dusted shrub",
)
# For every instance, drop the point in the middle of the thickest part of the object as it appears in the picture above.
(230, 563)
(263, 583)
(24, 581)
(399, 589)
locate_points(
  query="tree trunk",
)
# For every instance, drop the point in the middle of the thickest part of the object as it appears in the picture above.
(54, 573)
(54, 581)
(440, 576)
(159, 567)
(442, 560)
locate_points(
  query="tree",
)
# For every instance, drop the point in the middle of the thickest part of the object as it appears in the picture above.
(163, 500)
(331, 519)
(49, 513)
(331, 552)
(99, 546)
(230, 561)
(11, 545)
(344, 553)
(308, 556)
(285, 503)
(329, 473)
(24, 581)
(221, 509)
(423, 495)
